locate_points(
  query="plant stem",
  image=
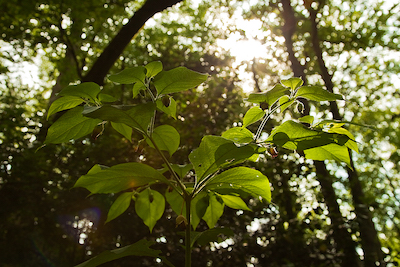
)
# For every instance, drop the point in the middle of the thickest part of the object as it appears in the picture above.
(188, 247)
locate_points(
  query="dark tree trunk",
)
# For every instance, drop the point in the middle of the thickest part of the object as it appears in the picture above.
(114, 49)
(369, 236)
(340, 234)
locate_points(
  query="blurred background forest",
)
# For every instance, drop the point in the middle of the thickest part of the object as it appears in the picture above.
(322, 213)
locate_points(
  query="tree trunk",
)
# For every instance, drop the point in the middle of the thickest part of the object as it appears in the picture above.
(117, 45)
(340, 234)
(369, 236)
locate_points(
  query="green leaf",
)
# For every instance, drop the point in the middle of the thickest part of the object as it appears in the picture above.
(177, 80)
(64, 103)
(234, 202)
(137, 87)
(129, 75)
(71, 125)
(119, 206)
(315, 144)
(329, 152)
(137, 117)
(153, 68)
(170, 110)
(210, 235)
(182, 170)
(240, 179)
(270, 96)
(217, 152)
(149, 206)
(106, 98)
(199, 205)
(120, 177)
(214, 211)
(123, 129)
(87, 90)
(140, 248)
(239, 135)
(285, 102)
(307, 119)
(166, 138)
(293, 83)
(253, 115)
(317, 93)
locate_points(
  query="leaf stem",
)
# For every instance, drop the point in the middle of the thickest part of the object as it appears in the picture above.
(177, 179)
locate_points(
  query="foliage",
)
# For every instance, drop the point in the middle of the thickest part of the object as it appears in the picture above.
(216, 182)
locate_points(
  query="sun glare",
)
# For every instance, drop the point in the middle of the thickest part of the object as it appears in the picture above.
(249, 46)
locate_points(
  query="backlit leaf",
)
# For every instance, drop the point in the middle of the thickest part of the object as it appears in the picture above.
(119, 177)
(293, 83)
(166, 138)
(253, 115)
(123, 129)
(269, 96)
(177, 80)
(149, 206)
(137, 117)
(153, 68)
(317, 93)
(71, 125)
(119, 206)
(234, 202)
(140, 248)
(216, 152)
(87, 90)
(243, 179)
(129, 75)
(64, 103)
(214, 211)
(239, 135)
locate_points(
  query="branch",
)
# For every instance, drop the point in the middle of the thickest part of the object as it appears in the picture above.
(117, 45)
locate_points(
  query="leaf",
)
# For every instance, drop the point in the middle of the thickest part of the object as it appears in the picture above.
(243, 179)
(120, 177)
(64, 103)
(292, 83)
(71, 125)
(199, 205)
(216, 152)
(210, 235)
(129, 75)
(269, 96)
(153, 68)
(170, 110)
(119, 206)
(166, 138)
(253, 115)
(106, 98)
(315, 144)
(137, 87)
(239, 135)
(234, 202)
(329, 152)
(137, 117)
(123, 129)
(317, 93)
(307, 119)
(285, 102)
(182, 170)
(214, 211)
(87, 90)
(149, 206)
(177, 80)
(140, 248)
